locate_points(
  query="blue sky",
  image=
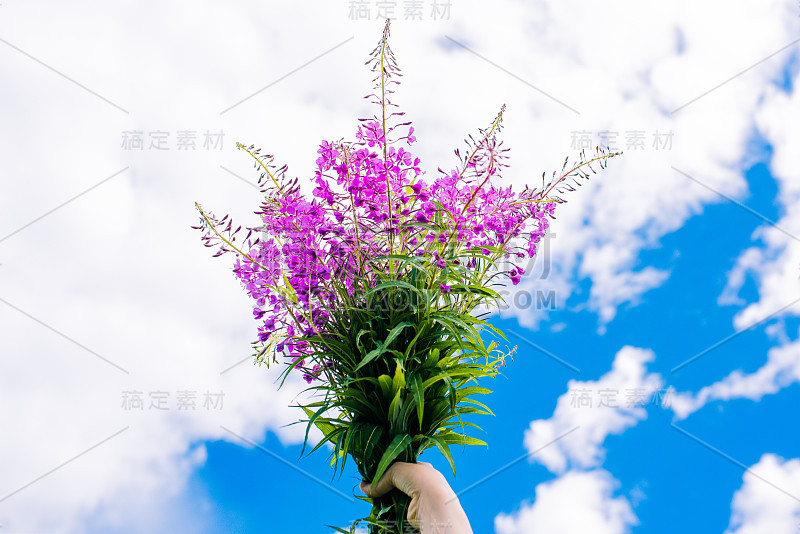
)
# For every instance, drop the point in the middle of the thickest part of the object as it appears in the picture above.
(105, 290)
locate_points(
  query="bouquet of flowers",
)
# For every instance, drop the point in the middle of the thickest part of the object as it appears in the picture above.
(368, 285)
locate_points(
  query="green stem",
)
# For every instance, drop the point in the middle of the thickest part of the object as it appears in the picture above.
(394, 519)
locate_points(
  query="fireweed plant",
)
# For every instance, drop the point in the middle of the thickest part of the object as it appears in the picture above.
(368, 286)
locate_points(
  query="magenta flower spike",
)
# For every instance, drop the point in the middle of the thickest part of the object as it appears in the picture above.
(366, 281)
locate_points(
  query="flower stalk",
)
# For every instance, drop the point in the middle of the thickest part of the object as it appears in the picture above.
(382, 326)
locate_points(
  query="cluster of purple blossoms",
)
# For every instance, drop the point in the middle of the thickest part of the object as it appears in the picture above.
(322, 250)
(369, 201)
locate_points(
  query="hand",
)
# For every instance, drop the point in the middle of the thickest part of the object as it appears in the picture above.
(434, 505)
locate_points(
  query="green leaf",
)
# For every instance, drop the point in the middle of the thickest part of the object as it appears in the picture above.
(413, 342)
(372, 440)
(382, 346)
(473, 289)
(466, 410)
(477, 403)
(358, 340)
(405, 413)
(472, 390)
(337, 448)
(326, 428)
(460, 439)
(393, 283)
(460, 424)
(416, 262)
(399, 381)
(385, 382)
(442, 376)
(418, 393)
(445, 450)
(339, 431)
(394, 407)
(433, 358)
(398, 445)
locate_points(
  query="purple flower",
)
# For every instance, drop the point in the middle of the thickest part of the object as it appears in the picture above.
(328, 156)
(311, 250)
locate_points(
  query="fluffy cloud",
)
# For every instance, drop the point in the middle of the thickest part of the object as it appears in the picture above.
(769, 500)
(75, 441)
(782, 369)
(117, 275)
(582, 498)
(775, 261)
(774, 264)
(574, 503)
(625, 390)
(663, 86)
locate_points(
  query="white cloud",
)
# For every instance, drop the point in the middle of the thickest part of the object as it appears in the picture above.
(768, 503)
(582, 498)
(639, 198)
(747, 261)
(775, 263)
(574, 503)
(118, 270)
(582, 448)
(781, 370)
(74, 403)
